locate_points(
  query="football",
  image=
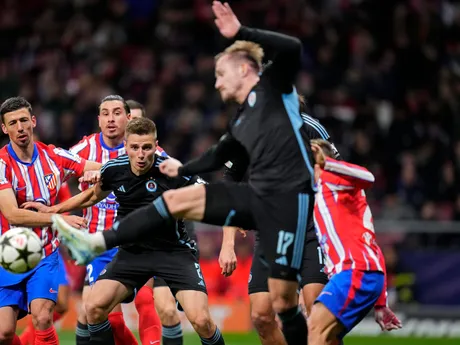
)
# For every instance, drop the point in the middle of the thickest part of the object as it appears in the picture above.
(20, 250)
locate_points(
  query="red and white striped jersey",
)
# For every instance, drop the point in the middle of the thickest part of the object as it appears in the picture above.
(343, 219)
(40, 180)
(102, 215)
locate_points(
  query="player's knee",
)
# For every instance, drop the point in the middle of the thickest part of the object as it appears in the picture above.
(42, 319)
(202, 324)
(282, 303)
(263, 321)
(169, 315)
(61, 308)
(316, 332)
(95, 313)
(6, 335)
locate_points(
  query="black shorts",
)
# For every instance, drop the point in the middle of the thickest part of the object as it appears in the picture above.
(134, 266)
(312, 267)
(281, 219)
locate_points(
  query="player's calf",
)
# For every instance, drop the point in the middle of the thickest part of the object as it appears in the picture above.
(42, 313)
(8, 315)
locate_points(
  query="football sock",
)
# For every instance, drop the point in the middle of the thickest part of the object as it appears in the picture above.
(136, 226)
(46, 337)
(294, 326)
(121, 333)
(172, 335)
(16, 341)
(27, 336)
(101, 334)
(82, 334)
(57, 316)
(149, 321)
(216, 339)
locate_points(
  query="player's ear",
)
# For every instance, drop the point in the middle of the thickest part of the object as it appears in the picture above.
(243, 69)
(129, 116)
(34, 121)
(4, 128)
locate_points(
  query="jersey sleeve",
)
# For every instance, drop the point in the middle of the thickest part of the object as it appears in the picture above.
(5, 181)
(81, 148)
(283, 52)
(356, 175)
(72, 163)
(107, 176)
(317, 131)
(235, 169)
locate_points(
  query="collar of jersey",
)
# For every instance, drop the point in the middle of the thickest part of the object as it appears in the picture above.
(104, 145)
(16, 158)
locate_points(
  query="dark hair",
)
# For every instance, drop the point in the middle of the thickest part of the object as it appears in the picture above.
(141, 126)
(116, 98)
(132, 104)
(13, 104)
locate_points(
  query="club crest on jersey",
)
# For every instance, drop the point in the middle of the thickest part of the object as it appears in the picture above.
(252, 98)
(151, 186)
(50, 181)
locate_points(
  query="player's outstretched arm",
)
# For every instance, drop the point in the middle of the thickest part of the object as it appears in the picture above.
(82, 200)
(355, 174)
(91, 165)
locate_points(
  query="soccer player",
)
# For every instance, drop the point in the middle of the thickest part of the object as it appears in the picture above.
(137, 110)
(354, 261)
(312, 279)
(269, 130)
(29, 171)
(62, 303)
(136, 181)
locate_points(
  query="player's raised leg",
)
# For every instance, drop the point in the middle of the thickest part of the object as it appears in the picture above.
(166, 306)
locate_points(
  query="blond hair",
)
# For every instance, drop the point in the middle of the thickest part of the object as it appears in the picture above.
(141, 126)
(246, 50)
(325, 145)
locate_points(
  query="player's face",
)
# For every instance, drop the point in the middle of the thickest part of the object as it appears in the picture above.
(141, 151)
(228, 78)
(112, 119)
(18, 125)
(135, 114)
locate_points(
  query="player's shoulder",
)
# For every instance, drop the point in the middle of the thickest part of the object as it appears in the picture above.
(84, 144)
(120, 163)
(315, 126)
(4, 156)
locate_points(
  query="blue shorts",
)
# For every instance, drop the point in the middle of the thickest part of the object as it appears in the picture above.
(351, 294)
(94, 269)
(61, 276)
(21, 289)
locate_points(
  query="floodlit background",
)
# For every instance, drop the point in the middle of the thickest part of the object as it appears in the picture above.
(383, 76)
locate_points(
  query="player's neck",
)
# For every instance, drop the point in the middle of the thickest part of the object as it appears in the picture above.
(25, 154)
(112, 142)
(246, 88)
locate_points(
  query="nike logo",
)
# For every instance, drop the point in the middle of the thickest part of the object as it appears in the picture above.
(53, 291)
(155, 342)
(20, 188)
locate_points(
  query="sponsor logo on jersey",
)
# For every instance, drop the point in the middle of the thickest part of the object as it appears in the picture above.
(151, 186)
(109, 203)
(50, 181)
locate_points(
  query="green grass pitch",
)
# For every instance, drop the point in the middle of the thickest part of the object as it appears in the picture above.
(68, 338)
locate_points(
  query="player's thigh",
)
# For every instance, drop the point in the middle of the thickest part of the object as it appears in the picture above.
(165, 305)
(62, 303)
(350, 295)
(282, 221)
(188, 202)
(261, 308)
(8, 316)
(106, 294)
(14, 296)
(195, 306)
(323, 325)
(229, 204)
(258, 277)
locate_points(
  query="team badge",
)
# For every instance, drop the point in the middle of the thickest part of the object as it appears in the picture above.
(151, 186)
(50, 181)
(252, 98)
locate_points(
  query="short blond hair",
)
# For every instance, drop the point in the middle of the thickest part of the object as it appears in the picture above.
(247, 50)
(325, 145)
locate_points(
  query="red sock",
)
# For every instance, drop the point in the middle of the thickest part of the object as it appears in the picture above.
(16, 341)
(149, 321)
(46, 337)
(57, 316)
(121, 333)
(27, 336)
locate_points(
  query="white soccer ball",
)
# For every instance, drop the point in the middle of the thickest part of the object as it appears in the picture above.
(20, 250)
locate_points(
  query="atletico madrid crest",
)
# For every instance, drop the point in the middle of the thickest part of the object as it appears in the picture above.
(50, 181)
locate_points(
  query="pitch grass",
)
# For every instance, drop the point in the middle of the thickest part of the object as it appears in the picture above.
(68, 338)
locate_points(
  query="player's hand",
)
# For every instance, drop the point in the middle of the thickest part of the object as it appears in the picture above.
(90, 177)
(243, 232)
(170, 167)
(386, 319)
(76, 221)
(318, 154)
(226, 21)
(227, 260)
(37, 206)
